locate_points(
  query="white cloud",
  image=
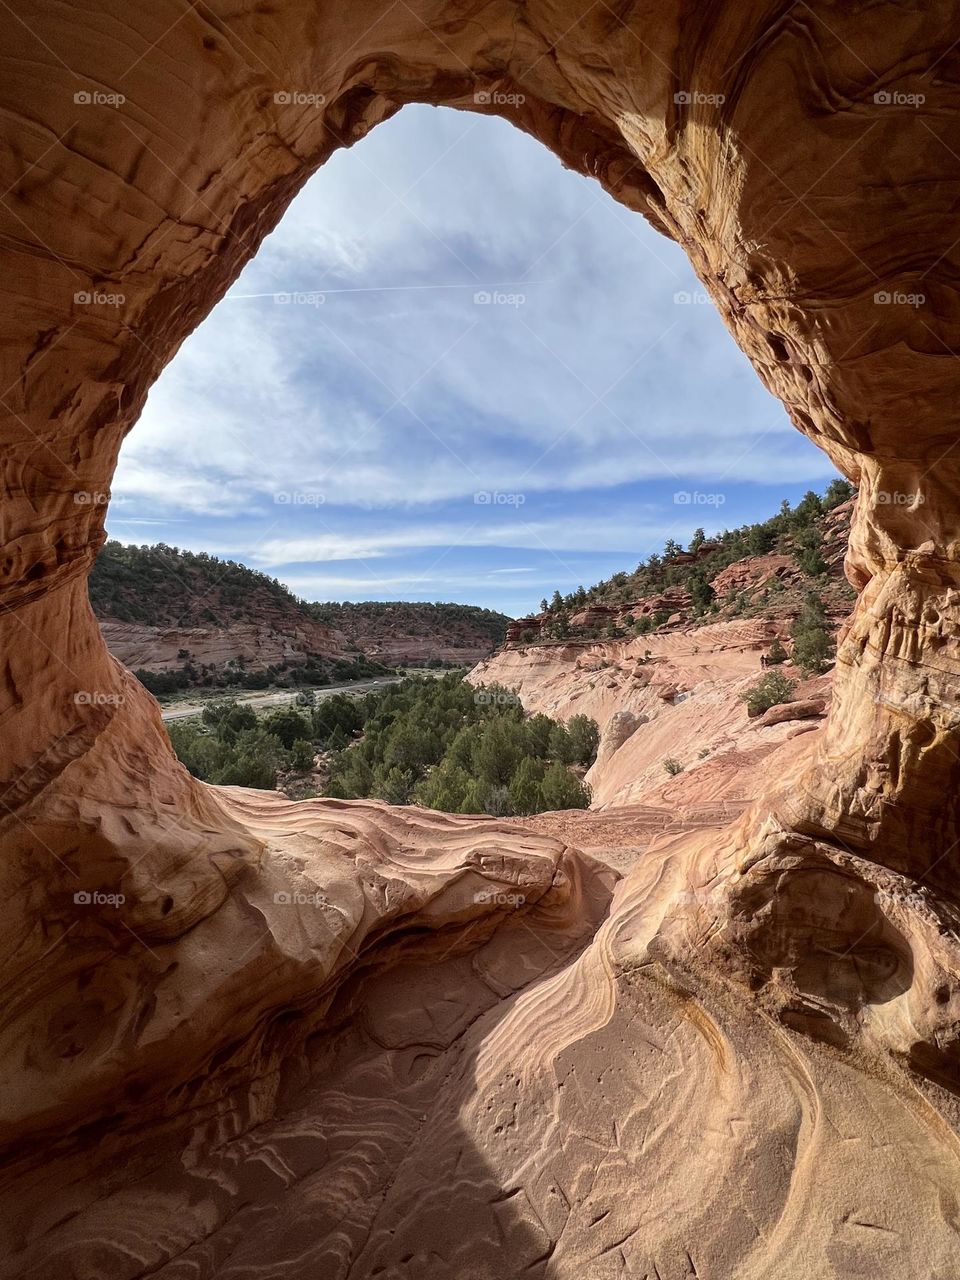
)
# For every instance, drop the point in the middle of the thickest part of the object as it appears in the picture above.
(398, 396)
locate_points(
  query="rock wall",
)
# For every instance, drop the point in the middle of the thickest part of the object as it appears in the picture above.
(195, 1080)
(254, 647)
(682, 692)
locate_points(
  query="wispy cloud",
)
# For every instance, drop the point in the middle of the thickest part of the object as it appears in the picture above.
(358, 420)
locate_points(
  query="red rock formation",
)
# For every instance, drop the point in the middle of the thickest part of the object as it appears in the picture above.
(749, 1069)
(752, 572)
(802, 709)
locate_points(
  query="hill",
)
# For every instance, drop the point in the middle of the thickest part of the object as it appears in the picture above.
(763, 570)
(397, 631)
(182, 619)
(163, 586)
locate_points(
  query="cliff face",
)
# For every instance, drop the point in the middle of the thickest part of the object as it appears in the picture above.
(160, 607)
(254, 645)
(661, 698)
(246, 1037)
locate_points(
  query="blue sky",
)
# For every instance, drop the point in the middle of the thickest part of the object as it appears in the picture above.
(456, 371)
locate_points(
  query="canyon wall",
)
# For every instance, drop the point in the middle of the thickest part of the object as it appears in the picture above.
(751, 1066)
(670, 698)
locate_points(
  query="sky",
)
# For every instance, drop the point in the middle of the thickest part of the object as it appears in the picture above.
(456, 371)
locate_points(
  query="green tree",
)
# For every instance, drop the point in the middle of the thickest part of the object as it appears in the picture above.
(537, 731)
(301, 755)
(560, 748)
(411, 748)
(701, 592)
(228, 718)
(200, 752)
(812, 642)
(562, 789)
(584, 737)
(444, 788)
(394, 786)
(498, 751)
(475, 799)
(838, 491)
(526, 795)
(288, 725)
(807, 551)
(807, 509)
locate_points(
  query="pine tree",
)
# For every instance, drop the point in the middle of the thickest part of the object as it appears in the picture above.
(584, 736)
(525, 794)
(561, 789)
(559, 747)
(812, 642)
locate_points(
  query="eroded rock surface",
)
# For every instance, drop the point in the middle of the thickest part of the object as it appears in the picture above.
(749, 1066)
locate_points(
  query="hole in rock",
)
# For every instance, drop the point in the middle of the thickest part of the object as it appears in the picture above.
(456, 371)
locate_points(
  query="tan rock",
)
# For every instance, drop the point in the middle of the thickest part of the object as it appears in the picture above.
(802, 709)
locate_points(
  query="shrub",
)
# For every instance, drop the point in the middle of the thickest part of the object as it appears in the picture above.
(776, 653)
(807, 552)
(770, 691)
(301, 756)
(673, 767)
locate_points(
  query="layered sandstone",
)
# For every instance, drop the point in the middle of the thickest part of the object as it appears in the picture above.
(430, 1057)
(250, 646)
